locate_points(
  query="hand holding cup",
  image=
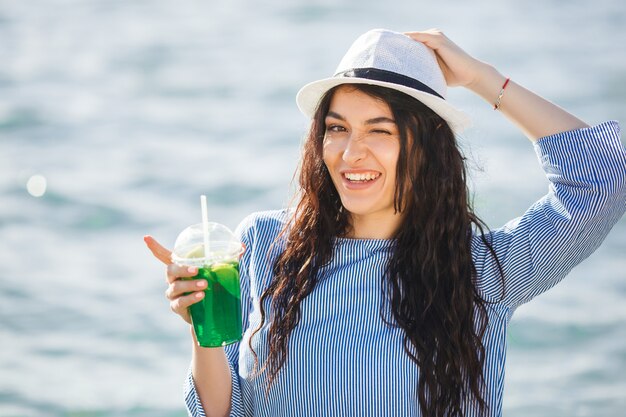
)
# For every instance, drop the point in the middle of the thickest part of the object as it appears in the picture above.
(181, 292)
(203, 281)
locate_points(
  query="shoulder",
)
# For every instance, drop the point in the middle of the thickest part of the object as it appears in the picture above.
(263, 225)
(259, 232)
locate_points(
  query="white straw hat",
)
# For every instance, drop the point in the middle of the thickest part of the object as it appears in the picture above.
(393, 60)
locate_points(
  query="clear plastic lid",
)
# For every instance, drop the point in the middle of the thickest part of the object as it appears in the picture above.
(223, 246)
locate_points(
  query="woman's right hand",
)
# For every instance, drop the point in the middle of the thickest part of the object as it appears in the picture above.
(181, 293)
(209, 366)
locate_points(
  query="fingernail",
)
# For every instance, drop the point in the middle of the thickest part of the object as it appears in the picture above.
(192, 269)
(199, 295)
(201, 283)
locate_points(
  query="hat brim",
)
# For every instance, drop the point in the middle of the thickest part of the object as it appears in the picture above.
(309, 96)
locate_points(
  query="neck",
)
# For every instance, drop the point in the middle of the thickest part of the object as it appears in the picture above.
(374, 226)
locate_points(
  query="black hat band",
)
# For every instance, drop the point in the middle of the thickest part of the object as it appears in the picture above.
(388, 77)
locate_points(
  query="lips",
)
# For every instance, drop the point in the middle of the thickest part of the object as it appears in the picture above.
(361, 177)
(359, 180)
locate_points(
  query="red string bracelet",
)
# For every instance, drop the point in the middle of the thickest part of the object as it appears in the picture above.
(496, 106)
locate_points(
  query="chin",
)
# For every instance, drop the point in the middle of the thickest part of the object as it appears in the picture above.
(362, 209)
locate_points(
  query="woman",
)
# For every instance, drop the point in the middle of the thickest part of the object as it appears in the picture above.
(380, 293)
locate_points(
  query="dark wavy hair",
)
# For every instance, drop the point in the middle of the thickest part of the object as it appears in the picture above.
(429, 287)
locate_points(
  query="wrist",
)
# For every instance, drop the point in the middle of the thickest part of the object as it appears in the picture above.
(201, 349)
(487, 82)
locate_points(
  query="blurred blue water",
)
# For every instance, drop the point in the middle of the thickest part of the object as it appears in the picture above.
(131, 109)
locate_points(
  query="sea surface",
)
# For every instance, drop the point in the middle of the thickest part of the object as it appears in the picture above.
(116, 115)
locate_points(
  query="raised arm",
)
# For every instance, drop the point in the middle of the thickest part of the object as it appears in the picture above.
(586, 197)
(586, 167)
(534, 115)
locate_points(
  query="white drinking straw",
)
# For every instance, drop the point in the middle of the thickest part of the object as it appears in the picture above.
(205, 226)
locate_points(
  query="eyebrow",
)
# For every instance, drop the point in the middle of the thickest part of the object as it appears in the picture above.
(375, 120)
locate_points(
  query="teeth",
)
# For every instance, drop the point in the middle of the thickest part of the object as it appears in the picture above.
(361, 177)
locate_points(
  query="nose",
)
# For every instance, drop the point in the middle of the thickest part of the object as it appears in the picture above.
(355, 150)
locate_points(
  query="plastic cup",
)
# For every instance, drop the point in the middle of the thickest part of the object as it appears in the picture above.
(217, 317)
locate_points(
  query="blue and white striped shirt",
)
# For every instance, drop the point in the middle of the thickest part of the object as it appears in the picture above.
(344, 360)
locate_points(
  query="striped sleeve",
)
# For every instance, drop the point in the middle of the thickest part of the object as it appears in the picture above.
(586, 197)
(192, 400)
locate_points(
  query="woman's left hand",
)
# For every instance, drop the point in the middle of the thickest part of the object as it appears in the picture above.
(535, 116)
(459, 68)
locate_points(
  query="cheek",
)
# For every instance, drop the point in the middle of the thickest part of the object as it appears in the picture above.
(388, 155)
(329, 152)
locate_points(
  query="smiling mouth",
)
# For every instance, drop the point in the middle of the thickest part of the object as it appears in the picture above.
(361, 178)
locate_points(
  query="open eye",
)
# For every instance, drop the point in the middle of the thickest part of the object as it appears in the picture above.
(335, 128)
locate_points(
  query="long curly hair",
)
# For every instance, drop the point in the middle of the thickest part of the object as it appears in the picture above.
(429, 286)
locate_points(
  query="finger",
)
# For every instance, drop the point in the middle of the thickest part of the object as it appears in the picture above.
(175, 272)
(428, 33)
(433, 38)
(161, 253)
(180, 304)
(182, 287)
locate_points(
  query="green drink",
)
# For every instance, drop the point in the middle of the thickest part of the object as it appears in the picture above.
(217, 317)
